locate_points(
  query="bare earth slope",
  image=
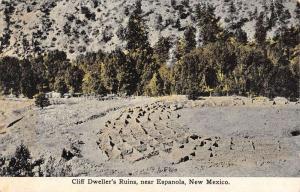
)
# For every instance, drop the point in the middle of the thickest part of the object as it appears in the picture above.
(170, 136)
(77, 26)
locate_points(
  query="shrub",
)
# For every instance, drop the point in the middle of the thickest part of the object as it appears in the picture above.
(193, 95)
(21, 164)
(41, 100)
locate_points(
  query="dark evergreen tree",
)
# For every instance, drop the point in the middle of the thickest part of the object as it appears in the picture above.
(108, 74)
(235, 24)
(282, 82)
(190, 39)
(260, 30)
(55, 65)
(28, 80)
(177, 25)
(256, 72)
(287, 37)
(297, 12)
(187, 73)
(273, 16)
(208, 23)
(137, 32)
(97, 86)
(10, 77)
(140, 52)
(127, 78)
(282, 13)
(159, 23)
(40, 71)
(41, 100)
(279, 7)
(162, 48)
(60, 86)
(21, 164)
(74, 78)
(241, 35)
(232, 16)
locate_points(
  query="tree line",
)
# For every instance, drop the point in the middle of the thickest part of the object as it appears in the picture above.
(208, 59)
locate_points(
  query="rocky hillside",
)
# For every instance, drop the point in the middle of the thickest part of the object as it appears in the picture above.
(77, 26)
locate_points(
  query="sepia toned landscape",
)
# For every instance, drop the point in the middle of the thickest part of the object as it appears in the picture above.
(149, 88)
(169, 136)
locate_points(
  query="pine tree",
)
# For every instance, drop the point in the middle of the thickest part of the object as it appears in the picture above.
(260, 30)
(74, 77)
(282, 82)
(190, 39)
(21, 164)
(232, 16)
(108, 74)
(137, 31)
(156, 85)
(167, 78)
(279, 7)
(177, 24)
(235, 24)
(140, 52)
(60, 85)
(159, 23)
(28, 80)
(10, 75)
(94, 85)
(256, 72)
(186, 73)
(273, 16)
(297, 12)
(162, 48)
(55, 64)
(283, 30)
(208, 23)
(241, 35)
(126, 73)
(41, 100)
(283, 14)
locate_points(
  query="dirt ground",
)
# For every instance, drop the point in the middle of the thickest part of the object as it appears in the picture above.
(11, 110)
(168, 136)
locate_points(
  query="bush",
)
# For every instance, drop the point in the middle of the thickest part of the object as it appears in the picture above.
(21, 164)
(41, 100)
(193, 95)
